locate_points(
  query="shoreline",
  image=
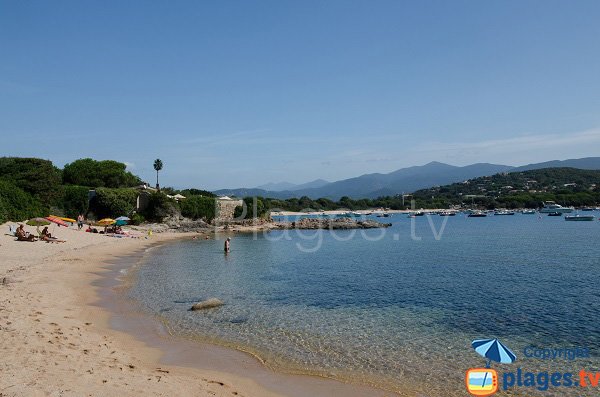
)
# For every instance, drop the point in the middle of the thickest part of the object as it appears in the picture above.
(52, 309)
(128, 317)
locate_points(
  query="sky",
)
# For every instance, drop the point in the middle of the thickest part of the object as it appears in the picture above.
(240, 93)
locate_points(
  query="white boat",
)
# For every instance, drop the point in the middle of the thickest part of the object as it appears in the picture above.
(504, 212)
(551, 207)
(528, 212)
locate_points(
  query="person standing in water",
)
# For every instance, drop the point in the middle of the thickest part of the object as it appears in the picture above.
(227, 246)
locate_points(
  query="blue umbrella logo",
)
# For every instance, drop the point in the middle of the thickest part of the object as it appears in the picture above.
(494, 350)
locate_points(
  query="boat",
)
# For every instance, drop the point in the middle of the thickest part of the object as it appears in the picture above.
(528, 212)
(551, 206)
(414, 214)
(477, 214)
(504, 212)
(447, 213)
(579, 217)
(554, 214)
(588, 209)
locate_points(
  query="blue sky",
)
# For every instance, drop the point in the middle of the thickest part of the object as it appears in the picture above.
(240, 93)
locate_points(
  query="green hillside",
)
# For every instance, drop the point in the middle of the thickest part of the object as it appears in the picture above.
(567, 186)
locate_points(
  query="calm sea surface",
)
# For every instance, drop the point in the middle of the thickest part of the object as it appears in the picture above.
(395, 307)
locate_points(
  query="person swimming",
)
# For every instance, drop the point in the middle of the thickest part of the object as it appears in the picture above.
(227, 246)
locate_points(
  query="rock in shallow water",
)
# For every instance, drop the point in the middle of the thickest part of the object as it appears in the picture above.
(207, 304)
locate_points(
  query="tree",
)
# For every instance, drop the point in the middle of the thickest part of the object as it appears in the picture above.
(92, 173)
(158, 165)
(38, 177)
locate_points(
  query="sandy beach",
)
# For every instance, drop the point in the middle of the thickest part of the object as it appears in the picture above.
(58, 341)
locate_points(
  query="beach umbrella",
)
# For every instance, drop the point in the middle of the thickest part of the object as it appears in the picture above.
(119, 222)
(123, 218)
(493, 350)
(106, 222)
(38, 222)
(58, 221)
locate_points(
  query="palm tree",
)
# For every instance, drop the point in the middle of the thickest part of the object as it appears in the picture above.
(158, 165)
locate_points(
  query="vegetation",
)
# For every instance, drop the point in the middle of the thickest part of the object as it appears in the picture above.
(92, 173)
(198, 207)
(31, 187)
(113, 202)
(75, 200)
(158, 165)
(253, 207)
(37, 177)
(528, 189)
(15, 203)
(159, 207)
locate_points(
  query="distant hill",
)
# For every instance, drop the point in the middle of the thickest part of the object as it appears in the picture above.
(586, 163)
(375, 185)
(283, 186)
(277, 186)
(404, 180)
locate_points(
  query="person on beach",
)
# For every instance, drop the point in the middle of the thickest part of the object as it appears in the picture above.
(227, 246)
(46, 234)
(22, 235)
(80, 220)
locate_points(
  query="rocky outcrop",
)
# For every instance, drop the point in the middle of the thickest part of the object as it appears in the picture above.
(339, 223)
(175, 224)
(207, 304)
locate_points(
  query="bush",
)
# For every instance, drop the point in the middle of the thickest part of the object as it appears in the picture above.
(113, 202)
(18, 205)
(198, 207)
(137, 219)
(35, 176)
(159, 207)
(251, 212)
(92, 173)
(74, 200)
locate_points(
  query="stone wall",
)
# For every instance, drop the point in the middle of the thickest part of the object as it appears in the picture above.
(226, 208)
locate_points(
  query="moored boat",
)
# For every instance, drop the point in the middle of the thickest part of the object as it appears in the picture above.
(554, 214)
(504, 212)
(447, 213)
(551, 206)
(528, 212)
(477, 214)
(579, 217)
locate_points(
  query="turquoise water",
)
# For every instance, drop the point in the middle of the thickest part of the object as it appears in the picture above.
(382, 307)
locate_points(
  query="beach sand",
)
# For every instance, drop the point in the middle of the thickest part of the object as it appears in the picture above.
(57, 341)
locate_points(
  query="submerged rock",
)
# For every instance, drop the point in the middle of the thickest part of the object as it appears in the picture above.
(207, 304)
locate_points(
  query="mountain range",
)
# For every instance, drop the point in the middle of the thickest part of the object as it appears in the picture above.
(404, 180)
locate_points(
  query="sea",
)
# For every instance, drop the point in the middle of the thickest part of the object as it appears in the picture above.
(396, 308)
